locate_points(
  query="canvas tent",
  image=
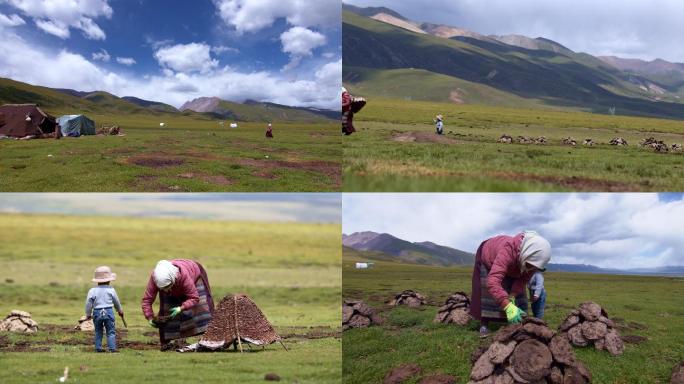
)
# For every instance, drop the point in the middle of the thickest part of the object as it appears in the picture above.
(19, 120)
(76, 125)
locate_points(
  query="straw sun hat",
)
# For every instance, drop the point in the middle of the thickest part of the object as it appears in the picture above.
(104, 274)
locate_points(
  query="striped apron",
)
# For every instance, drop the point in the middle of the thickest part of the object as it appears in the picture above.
(190, 322)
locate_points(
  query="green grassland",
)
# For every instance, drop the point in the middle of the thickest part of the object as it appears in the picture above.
(188, 154)
(291, 270)
(649, 306)
(395, 149)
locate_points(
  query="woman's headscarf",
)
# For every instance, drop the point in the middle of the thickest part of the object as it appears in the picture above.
(165, 274)
(535, 250)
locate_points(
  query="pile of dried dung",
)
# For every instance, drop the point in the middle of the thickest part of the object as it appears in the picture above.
(618, 141)
(505, 139)
(529, 353)
(656, 145)
(19, 321)
(84, 324)
(357, 314)
(530, 140)
(236, 320)
(569, 141)
(676, 147)
(590, 325)
(588, 142)
(455, 310)
(408, 297)
(677, 374)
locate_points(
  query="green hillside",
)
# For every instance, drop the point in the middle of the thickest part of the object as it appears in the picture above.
(554, 78)
(265, 112)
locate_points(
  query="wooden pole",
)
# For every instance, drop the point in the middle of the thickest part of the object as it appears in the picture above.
(237, 328)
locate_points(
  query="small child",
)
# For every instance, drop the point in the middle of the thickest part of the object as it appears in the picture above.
(99, 305)
(537, 294)
(439, 124)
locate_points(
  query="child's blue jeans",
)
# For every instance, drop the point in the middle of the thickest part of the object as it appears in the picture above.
(538, 306)
(103, 319)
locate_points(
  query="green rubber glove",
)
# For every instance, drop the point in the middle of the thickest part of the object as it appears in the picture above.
(153, 324)
(513, 313)
(175, 311)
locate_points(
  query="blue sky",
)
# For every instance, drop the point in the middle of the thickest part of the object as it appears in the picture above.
(642, 29)
(284, 51)
(267, 207)
(611, 230)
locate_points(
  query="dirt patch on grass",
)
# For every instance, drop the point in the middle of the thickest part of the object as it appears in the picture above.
(328, 168)
(137, 345)
(121, 151)
(25, 346)
(455, 96)
(264, 175)
(211, 179)
(310, 333)
(571, 182)
(402, 373)
(438, 379)
(156, 160)
(421, 137)
(633, 339)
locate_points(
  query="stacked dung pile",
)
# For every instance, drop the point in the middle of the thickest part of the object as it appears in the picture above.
(455, 310)
(236, 320)
(618, 141)
(540, 140)
(528, 353)
(357, 314)
(84, 324)
(530, 140)
(19, 321)
(676, 147)
(588, 142)
(505, 139)
(656, 145)
(408, 297)
(569, 141)
(590, 325)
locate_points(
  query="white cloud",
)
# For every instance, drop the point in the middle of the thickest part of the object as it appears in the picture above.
(70, 70)
(299, 42)
(329, 55)
(56, 17)
(11, 20)
(103, 55)
(125, 60)
(222, 48)
(254, 15)
(608, 230)
(193, 57)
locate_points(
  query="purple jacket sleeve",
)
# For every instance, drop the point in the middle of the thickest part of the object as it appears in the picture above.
(191, 293)
(497, 273)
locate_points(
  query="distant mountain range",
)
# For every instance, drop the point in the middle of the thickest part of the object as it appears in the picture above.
(382, 48)
(59, 101)
(385, 247)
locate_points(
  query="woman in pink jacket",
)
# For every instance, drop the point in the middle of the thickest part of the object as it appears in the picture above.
(503, 266)
(185, 302)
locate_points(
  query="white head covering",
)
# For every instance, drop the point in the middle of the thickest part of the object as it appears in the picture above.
(535, 250)
(164, 274)
(344, 89)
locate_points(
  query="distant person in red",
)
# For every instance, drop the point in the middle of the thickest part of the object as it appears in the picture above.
(185, 302)
(503, 267)
(269, 131)
(350, 105)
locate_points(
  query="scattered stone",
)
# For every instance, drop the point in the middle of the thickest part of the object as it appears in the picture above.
(618, 141)
(408, 297)
(402, 373)
(20, 322)
(677, 374)
(569, 141)
(590, 325)
(357, 314)
(530, 352)
(455, 310)
(271, 377)
(84, 324)
(505, 139)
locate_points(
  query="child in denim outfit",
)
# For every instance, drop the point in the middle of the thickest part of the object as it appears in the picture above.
(99, 305)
